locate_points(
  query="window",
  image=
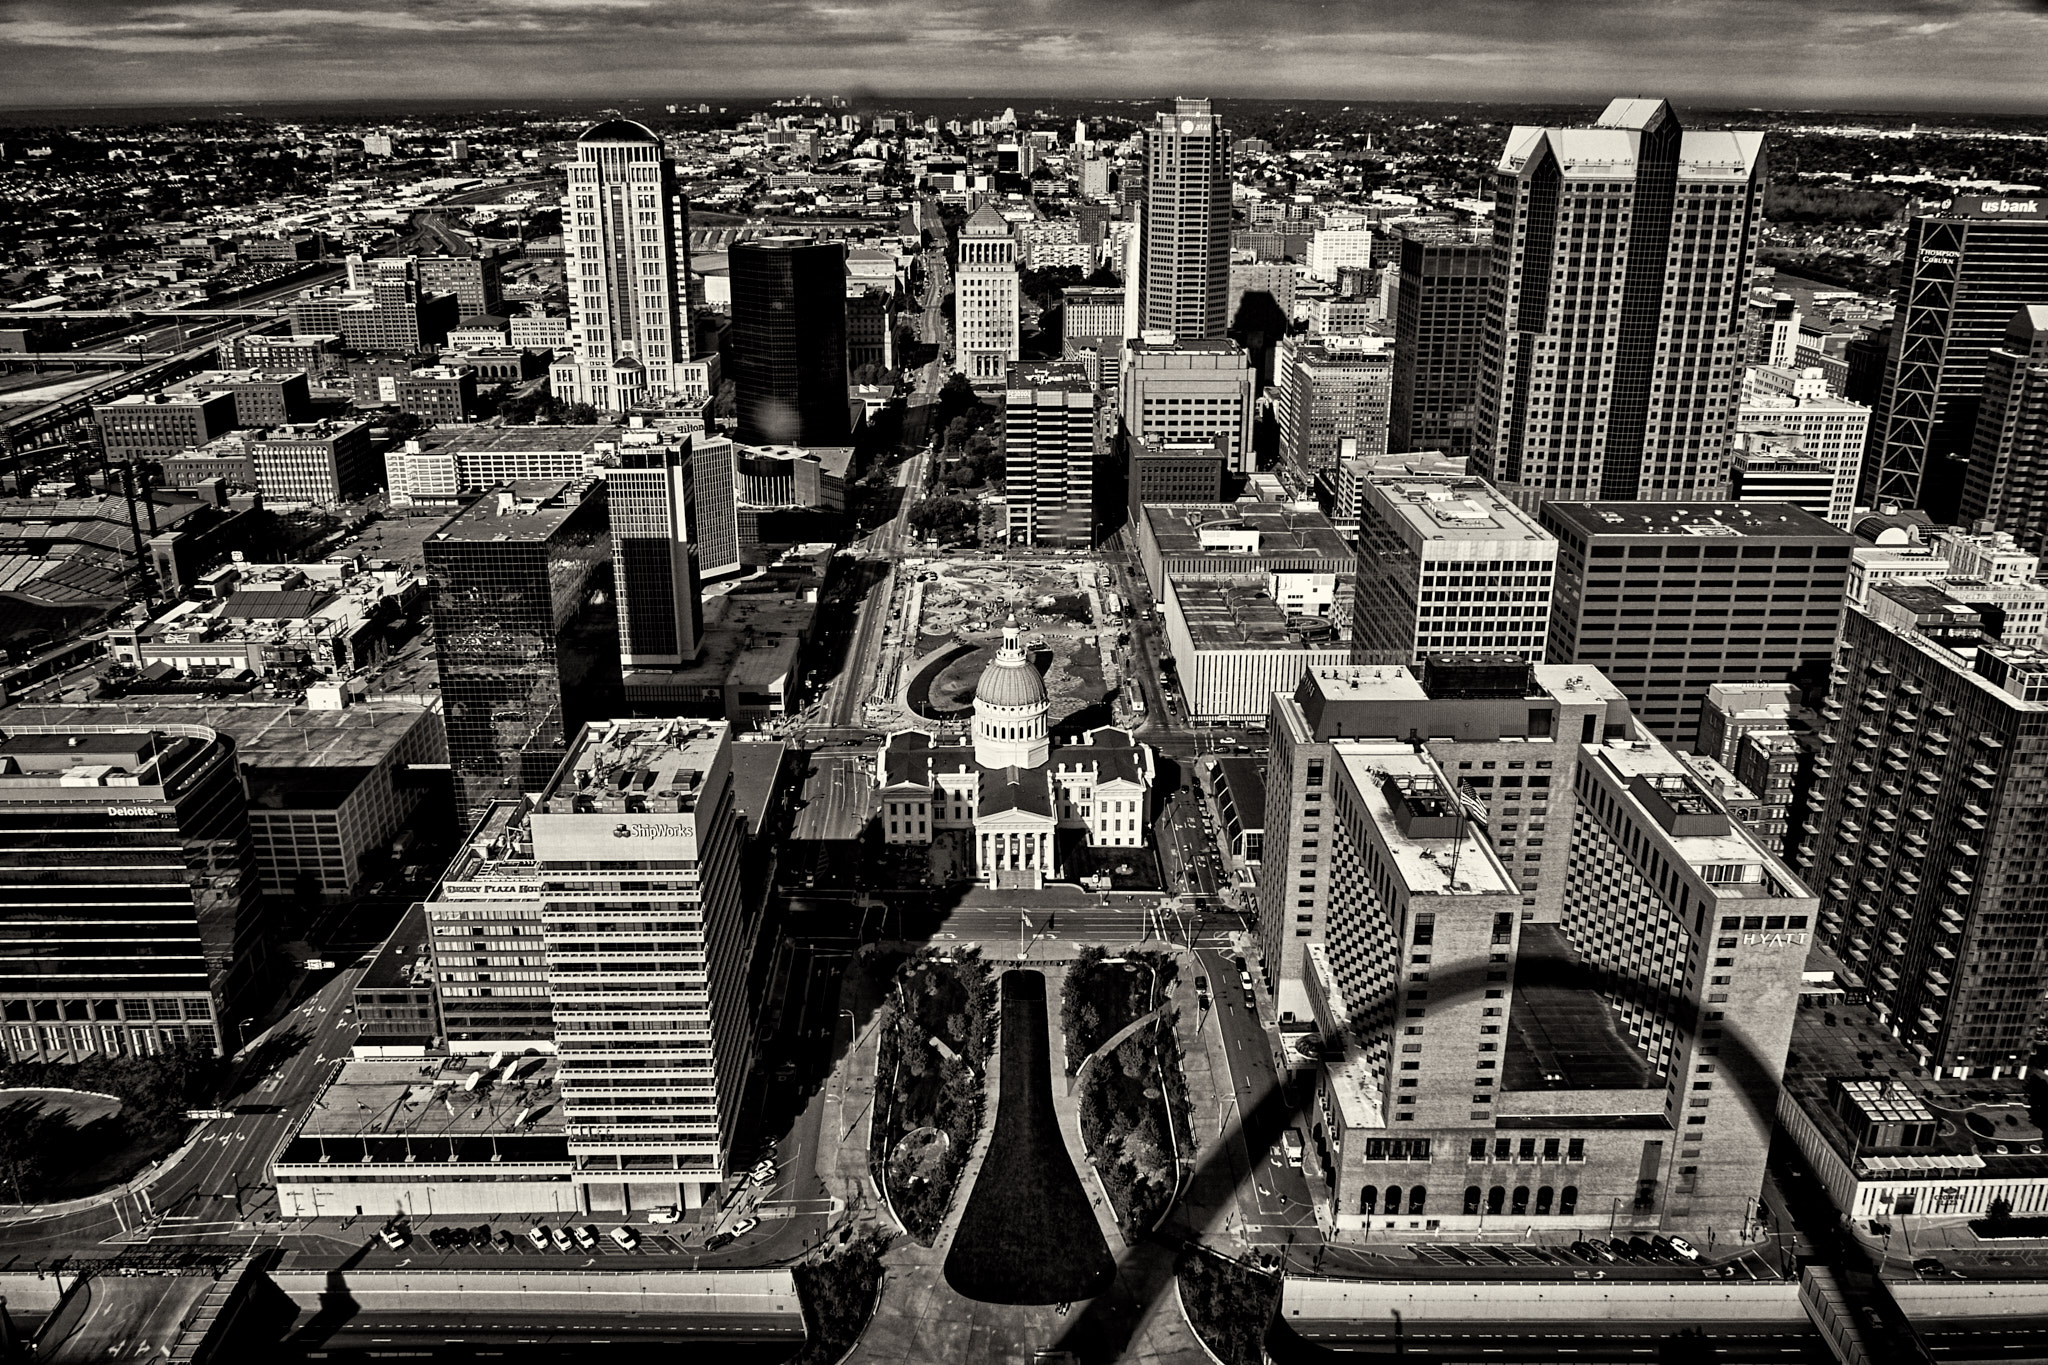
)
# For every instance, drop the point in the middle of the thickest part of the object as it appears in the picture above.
(1521, 1205)
(1472, 1200)
(1543, 1200)
(1496, 1197)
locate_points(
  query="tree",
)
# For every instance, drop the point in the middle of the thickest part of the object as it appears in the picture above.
(29, 1137)
(2000, 1210)
(945, 518)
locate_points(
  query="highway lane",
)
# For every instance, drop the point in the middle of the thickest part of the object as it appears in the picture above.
(1436, 1343)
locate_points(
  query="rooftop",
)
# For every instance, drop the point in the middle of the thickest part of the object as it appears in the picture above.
(275, 735)
(516, 439)
(1236, 613)
(525, 510)
(1666, 520)
(1982, 1126)
(1650, 774)
(1241, 529)
(1440, 857)
(1562, 1033)
(436, 1098)
(1452, 507)
(634, 765)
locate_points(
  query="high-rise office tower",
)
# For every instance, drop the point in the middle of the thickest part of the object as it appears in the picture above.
(1667, 601)
(526, 630)
(715, 460)
(2008, 476)
(1186, 392)
(1460, 954)
(789, 341)
(128, 892)
(1186, 229)
(647, 986)
(1614, 331)
(1965, 271)
(1510, 729)
(1923, 832)
(1796, 405)
(1330, 392)
(626, 243)
(985, 297)
(1049, 454)
(654, 556)
(1439, 331)
(1448, 565)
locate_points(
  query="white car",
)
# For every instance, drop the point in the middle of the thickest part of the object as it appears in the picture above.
(626, 1238)
(671, 1214)
(1684, 1248)
(763, 1173)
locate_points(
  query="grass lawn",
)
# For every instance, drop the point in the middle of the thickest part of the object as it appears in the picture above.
(1028, 1234)
(936, 1028)
(1134, 1099)
(1229, 1305)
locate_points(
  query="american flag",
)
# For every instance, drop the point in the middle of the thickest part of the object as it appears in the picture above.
(1474, 808)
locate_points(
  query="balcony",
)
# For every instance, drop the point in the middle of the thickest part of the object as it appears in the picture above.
(1904, 720)
(1967, 849)
(1944, 952)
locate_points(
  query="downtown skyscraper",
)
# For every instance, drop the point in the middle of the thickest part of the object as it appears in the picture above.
(1186, 265)
(626, 247)
(1966, 270)
(1613, 350)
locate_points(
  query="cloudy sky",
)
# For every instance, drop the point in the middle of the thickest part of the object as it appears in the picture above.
(1966, 54)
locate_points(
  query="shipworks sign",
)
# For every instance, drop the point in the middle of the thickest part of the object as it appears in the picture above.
(614, 838)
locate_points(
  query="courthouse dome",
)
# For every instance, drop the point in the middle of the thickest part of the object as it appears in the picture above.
(1010, 680)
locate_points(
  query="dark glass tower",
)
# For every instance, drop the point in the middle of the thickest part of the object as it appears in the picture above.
(1439, 325)
(526, 628)
(1964, 274)
(654, 549)
(128, 892)
(789, 341)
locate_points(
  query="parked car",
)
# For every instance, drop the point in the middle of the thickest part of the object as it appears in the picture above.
(561, 1239)
(505, 1240)
(586, 1236)
(538, 1234)
(1663, 1249)
(745, 1226)
(1930, 1265)
(763, 1172)
(1599, 1249)
(1640, 1249)
(717, 1240)
(626, 1238)
(393, 1237)
(670, 1214)
(1684, 1248)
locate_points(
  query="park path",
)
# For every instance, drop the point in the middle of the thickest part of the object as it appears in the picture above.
(920, 1317)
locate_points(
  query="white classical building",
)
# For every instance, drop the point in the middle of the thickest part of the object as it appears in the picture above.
(1010, 784)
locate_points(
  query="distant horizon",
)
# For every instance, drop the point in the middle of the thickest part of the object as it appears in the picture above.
(870, 100)
(1979, 57)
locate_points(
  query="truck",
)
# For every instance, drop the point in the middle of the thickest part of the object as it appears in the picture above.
(1291, 1139)
(1116, 605)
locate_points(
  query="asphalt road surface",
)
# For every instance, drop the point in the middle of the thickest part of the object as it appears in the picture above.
(217, 1194)
(1441, 1344)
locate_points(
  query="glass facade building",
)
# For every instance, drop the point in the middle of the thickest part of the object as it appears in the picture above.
(526, 629)
(789, 341)
(128, 891)
(661, 612)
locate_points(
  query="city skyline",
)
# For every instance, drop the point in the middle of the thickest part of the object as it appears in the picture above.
(1920, 53)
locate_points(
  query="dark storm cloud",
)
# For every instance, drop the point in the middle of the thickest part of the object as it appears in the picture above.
(1966, 53)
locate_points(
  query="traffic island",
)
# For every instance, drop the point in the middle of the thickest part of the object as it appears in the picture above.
(1229, 1304)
